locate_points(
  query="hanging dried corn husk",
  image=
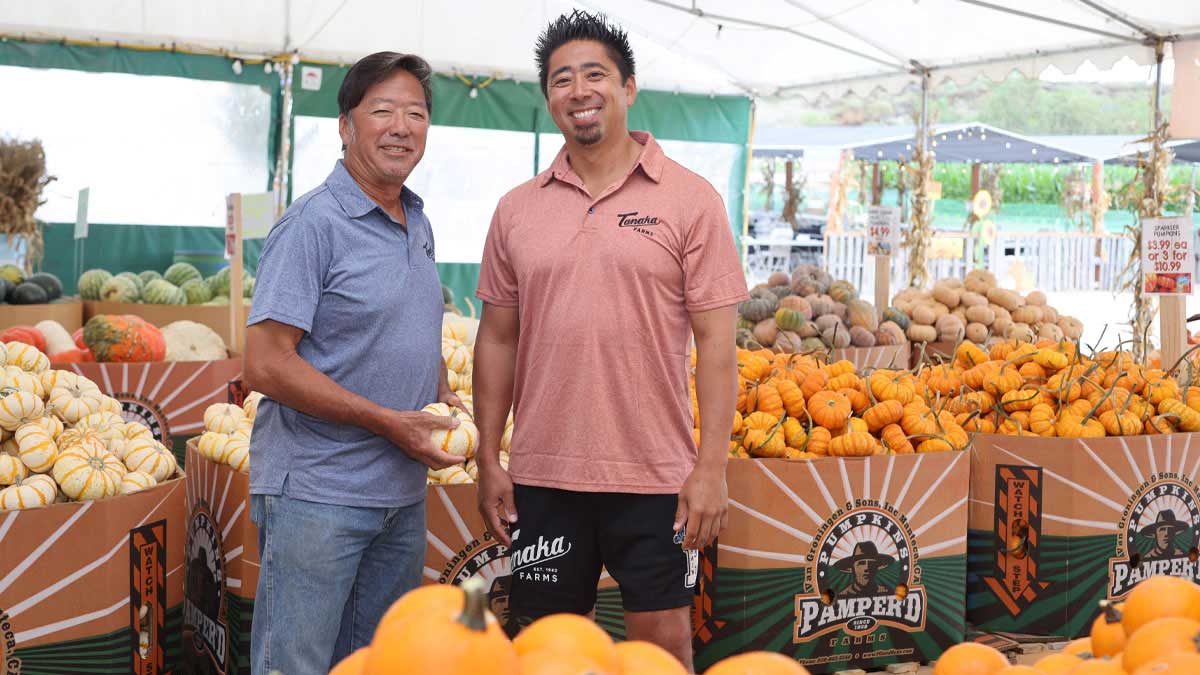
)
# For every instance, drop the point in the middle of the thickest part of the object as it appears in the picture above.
(1145, 196)
(920, 235)
(22, 179)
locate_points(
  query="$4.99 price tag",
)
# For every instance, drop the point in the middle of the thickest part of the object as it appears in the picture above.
(1168, 249)
(883, 230)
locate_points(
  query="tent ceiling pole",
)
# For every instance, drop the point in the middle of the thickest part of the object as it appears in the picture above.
(840, 26)
(695, 11)
(923, 129)
(1046, 19)
(1119, 18)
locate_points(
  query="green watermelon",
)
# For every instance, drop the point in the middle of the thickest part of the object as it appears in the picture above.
(148, 276)
(29, 293)
(90, 283)
(12, 273)
(220, 283)
(119, 289)
(163, 292)
(181, 273)
(6, 289)
(219, 300)
(135, 279)
(196, 292)
(49, 283)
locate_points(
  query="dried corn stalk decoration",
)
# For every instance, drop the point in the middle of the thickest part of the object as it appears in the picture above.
(22, 179)
(919, 239)
(1145, 196)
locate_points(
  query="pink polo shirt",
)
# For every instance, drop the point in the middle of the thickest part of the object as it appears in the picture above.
(604, 288)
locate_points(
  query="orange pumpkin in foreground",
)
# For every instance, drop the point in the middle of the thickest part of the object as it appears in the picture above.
(757, 663)
(970, 658)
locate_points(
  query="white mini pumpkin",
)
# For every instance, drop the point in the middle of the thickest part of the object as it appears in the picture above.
(34, 492)
(52, 379)
(237, 454)
(99, 421)
(506, 439)
(75, 402)
(250, 405)
(25, 381)
(36, 446)
(87, 476)
(136, 481)
(133, 430)
(110, 404)
(51, 424)
(457, 357)
(12, 470)
(211, 444)
(223, 417)
(461, 441)
(153, 458)
(18, 408)
(86, 439)
(26, 357)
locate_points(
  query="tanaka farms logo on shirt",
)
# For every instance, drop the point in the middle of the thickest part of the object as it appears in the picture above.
(637, 221)
(863, 574)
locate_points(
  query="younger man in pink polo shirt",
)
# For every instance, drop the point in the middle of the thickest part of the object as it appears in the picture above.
(595, 276)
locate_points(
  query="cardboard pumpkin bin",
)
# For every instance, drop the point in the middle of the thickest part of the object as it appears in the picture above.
(94, 586)
(170, 397)
(68, 312)
(839, 563)
(1058, 524)
(220, 575)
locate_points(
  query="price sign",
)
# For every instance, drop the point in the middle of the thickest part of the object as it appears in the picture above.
(1167, 249)
(883, 234)
(81, 214)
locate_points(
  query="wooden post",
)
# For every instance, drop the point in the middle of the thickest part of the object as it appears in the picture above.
(975, 168)
(883, 283)
(1098, 215)
(237, 307)
(1173, 324)
(876, 185)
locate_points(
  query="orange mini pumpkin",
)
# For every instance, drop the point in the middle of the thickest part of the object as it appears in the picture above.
(1108, 635)
(829, 409)
(757, 663)
(970, 658)
(569, 634)
(646, 658)
(1159, 638)
(1159, 597)
(882, 414)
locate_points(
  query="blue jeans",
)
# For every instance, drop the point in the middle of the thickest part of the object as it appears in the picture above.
(328, 575)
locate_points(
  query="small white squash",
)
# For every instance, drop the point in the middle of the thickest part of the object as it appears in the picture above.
(223, 417)
(191, 341)
(250, 405)
(133, 430)
(506, 439)
(136, 481)
(58, 339)
(88, 476)
(12, 470)
(73, 402)
(461, 441)
(211, 443)
(99, 421)
(33, 492)
(25, 381)
(26, 357)
(18, 408)
(36, 446)
(153, 458)
(237, 454)
(110, 404)
(52, 379)
(457, 357)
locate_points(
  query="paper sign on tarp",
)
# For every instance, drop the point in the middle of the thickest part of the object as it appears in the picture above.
(1167, 250)
(883, 223)
(258, 215)
(81, 214)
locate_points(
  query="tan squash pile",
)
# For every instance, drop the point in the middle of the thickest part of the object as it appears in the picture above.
(810, 312)
(976, 309)
(62, 439)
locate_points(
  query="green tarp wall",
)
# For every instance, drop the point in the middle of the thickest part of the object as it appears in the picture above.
(501, 104)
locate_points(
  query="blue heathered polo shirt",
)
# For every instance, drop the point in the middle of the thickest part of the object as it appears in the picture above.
(368, 297)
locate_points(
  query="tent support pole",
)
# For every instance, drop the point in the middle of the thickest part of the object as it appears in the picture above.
(1171, 308)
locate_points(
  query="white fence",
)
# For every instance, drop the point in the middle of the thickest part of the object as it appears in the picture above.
(1054, 262)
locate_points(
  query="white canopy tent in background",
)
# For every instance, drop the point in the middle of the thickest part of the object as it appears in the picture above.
(761, 47)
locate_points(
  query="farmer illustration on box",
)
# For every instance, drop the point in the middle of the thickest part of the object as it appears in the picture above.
(865, 564)
(1163, 531)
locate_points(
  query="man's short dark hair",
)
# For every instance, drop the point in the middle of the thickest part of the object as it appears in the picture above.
(581, 25)
(373, 69)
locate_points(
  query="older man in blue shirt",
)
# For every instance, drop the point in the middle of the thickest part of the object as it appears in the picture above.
(344, 341)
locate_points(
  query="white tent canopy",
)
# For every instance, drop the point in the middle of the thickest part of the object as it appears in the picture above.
(800, 47)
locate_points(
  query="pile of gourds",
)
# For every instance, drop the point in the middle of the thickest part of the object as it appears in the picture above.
(810, 312)
(976, 309)
(469, 641)
(1051, 389)
(62, 439)
(1155, 631)
(795, 406)
(227, 431)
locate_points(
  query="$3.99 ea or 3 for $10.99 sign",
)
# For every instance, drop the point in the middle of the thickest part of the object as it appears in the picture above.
(1168, 256)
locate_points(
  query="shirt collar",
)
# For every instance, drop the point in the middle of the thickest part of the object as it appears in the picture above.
(651, 160)
(354, 201)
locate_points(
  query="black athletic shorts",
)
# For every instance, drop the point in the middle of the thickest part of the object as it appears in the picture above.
(562, 539)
